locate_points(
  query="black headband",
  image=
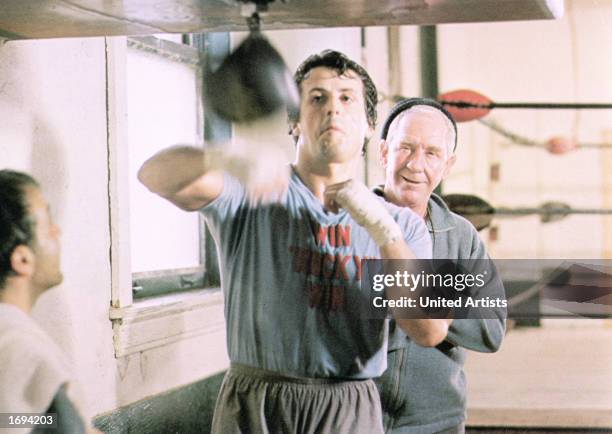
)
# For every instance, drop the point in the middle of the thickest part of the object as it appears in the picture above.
(407, 104)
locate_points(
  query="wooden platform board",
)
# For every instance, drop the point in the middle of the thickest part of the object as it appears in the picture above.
(24, 19)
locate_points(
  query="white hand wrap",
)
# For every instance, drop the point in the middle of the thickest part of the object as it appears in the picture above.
(367, 210)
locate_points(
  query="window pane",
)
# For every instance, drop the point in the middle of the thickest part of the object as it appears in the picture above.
(163, 109)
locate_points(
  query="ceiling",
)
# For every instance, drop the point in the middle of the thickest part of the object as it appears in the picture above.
(25, 19)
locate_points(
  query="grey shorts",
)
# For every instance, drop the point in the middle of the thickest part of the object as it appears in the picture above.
(254, 401)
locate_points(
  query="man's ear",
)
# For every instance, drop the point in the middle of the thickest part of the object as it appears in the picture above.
(449, 165)
(383, 153)
(23, 260)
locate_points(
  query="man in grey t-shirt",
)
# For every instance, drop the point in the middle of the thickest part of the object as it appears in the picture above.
(302, 350)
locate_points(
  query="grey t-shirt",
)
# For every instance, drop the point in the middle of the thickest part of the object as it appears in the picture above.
(291, 273)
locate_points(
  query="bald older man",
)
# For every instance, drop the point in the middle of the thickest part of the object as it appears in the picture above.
(423, 390)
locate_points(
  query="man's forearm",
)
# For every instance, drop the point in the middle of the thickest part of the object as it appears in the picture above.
(424, 331)
(173, 169)
(368, 212)
(191, 177)
(188, 177)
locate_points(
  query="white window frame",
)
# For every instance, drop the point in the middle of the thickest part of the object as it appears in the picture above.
(148, 323)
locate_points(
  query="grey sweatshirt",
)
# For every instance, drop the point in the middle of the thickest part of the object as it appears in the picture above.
(433, 381)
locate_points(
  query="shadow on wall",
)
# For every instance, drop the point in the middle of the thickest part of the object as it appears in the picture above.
(47, 162)
(28, 144)
(48, 165)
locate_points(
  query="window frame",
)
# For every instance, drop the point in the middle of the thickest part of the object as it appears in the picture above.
(197, 50)
(141, 320)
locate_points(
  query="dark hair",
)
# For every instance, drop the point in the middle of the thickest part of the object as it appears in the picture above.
(407, 104)
(340, 63)
(16, 224)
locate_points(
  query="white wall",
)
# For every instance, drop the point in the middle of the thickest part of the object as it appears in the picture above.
(541, 61)
(53, 114)
(548, 61)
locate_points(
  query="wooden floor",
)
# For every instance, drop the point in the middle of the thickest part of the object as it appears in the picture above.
(558, 376)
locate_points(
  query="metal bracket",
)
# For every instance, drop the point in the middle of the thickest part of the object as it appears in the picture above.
(254, 22)
(250, 7)
(253, 10)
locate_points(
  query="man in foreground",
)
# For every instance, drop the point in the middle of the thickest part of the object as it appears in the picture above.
(423, 389)
(302, 349)
(35, 376)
